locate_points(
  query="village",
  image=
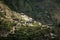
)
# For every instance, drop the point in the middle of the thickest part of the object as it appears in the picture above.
(19, 19)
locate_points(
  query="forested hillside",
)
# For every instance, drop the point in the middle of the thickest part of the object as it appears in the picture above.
(45, 11)
(29, 19)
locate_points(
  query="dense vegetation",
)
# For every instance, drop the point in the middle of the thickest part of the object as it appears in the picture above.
(30, 33)
(41, 10)
(44, 11)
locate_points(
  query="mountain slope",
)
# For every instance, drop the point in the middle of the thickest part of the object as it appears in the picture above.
(40, 10)
(12, 20)
(19, 26)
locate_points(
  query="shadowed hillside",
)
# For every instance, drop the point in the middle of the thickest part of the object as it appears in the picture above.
(45, 11)
(29, 20)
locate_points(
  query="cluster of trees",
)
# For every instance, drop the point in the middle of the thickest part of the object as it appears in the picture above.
(56, 1)
(33, 33)
(6, 25)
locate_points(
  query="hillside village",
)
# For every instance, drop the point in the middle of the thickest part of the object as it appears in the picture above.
(23, 26)
(20, 19)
